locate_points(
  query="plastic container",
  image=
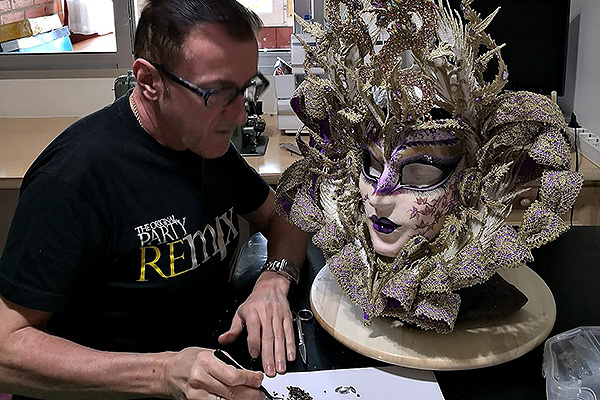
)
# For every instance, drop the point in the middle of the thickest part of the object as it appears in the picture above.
(572, 364)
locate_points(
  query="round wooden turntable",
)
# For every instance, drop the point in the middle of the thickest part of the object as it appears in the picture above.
(472, 344)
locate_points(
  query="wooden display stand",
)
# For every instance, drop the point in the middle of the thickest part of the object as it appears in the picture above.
(470, 345)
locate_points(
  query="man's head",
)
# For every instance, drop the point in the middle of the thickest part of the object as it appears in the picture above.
(165, 24)
(186, 52)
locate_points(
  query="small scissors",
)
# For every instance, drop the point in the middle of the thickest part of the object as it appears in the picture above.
(303, 315)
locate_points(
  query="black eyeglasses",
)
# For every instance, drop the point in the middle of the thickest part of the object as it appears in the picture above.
(221, 97)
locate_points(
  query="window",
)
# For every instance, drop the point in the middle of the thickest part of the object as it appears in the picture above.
(272, 12)
(24, 65)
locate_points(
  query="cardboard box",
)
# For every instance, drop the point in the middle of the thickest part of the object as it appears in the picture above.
(29, 27)
(53, 41)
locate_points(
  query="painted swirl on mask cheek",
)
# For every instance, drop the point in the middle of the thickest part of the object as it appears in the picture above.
(429, 211)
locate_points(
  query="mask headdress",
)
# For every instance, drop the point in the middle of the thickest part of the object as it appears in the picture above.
(427, 77)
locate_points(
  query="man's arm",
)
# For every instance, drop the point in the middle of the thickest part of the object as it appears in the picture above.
(266, 313)
(35, 363)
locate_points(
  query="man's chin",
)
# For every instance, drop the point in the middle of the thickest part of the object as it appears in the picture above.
(209, 155)
(213, 148)
(224, 132)
(211, 152)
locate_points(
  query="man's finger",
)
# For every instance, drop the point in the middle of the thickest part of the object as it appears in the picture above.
(236, 328)
(290, 338)
(280, 345)
(268, 344)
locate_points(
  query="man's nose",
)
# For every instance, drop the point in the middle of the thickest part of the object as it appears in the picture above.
(237, 108)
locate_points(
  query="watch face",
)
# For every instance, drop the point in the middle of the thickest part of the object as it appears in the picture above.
(274, 265)
(284, 268)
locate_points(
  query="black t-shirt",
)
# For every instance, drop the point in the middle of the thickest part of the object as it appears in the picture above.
(126, 242)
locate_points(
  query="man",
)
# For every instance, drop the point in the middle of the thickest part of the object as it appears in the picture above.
(116, 266)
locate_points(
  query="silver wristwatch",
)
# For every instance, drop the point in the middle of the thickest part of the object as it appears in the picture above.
(284, 268)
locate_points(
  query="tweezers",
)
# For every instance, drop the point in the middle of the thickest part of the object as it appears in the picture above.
(226, 358)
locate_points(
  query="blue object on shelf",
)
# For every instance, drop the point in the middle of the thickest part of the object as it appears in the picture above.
(54, 41)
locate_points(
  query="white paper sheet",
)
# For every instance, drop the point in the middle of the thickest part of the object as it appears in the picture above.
(385, 383)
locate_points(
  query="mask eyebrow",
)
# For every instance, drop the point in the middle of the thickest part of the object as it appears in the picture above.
(441, 142)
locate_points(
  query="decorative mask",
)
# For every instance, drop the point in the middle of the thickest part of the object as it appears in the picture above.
(413, 159)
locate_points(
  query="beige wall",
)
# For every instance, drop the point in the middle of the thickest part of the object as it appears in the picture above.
(25, 98)
(36, 98)
(587, 78)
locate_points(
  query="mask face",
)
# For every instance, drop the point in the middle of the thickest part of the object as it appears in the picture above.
(409, 191)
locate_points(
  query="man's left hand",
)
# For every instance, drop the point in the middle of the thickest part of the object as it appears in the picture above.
(267, 317)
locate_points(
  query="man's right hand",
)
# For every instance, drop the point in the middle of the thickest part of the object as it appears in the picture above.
(195, 373)
(38, 364)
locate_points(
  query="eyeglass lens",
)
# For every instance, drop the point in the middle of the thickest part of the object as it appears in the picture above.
(221, 98)
(224, 97)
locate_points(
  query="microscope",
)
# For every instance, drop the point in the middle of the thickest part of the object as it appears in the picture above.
(248, 138)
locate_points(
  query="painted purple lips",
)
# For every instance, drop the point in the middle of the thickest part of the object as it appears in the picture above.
(383, 224)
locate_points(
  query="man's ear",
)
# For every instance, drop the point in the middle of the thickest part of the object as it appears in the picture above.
(148, 79)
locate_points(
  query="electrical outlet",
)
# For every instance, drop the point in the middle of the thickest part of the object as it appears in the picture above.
(588, 144)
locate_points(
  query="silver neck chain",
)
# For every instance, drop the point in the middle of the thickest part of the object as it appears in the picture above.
(135, 111)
